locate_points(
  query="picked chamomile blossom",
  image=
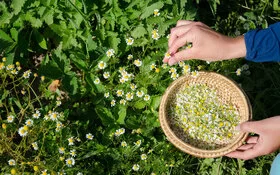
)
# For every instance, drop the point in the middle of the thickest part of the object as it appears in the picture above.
(200, 118)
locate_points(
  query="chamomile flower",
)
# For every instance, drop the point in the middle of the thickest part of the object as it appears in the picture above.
(71, 141)
(135, 167)
(181, 63)
(10, 67)
(61, 150)
(122, 101)
(2, 66)
(119, 132)
(106, 94)
(129, 41)
(155, 34)
(157, 70)
(174, 75)
(23, 131)
(137, 63)
(156, 12)
(186, 69)
(29, 122)
(238, 72)
(133, 86)
(10, 118)
(89, 136)
(14, 72)
(194, 73)
(70, 162)
(113, 103)
(12, 162)
(110, 53)
(129, 96)
(44, 172)
(143, 156)
(172, 70)
(79, 173)
(36, 115)
(26, 74)
(147, 97)
(119, 93)
(123, 144)
(167, 55)
(54, 116)
(152, 66)
(129, 57)
(138, 143)
(164, 66)
(4, 59)
(35, 146)
(106, 75)
(73, 153)
(59, 125)
(102, 65)
(96, 81)
(139, 94)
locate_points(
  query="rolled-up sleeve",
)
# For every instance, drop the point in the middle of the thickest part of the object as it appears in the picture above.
(263, 45)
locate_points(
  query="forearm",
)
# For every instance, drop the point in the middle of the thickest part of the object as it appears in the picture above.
(263, 45)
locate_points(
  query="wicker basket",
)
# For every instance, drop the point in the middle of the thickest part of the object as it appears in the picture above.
(227, 90)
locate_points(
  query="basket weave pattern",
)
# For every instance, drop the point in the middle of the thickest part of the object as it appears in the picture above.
(228, 91)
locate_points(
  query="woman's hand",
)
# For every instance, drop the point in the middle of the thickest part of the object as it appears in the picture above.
(267, 142)
(206, 43)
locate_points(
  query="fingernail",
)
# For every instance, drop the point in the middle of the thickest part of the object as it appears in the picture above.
(237, 128)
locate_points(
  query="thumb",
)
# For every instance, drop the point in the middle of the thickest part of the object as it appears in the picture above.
(250, 126)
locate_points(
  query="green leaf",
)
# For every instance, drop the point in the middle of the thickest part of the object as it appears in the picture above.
(105, 115)
(48, 16)
(4, 36)
(40, 39)
(70, 83)
(139, 104)
(155, 102)
(79, 60)
(122, 114)
(17, 5)
(138, 32)
(150, 9)
(6, 42)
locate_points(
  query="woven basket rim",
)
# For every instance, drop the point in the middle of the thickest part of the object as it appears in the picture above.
(187, 148)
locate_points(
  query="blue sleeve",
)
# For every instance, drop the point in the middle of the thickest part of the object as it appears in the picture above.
(263, 45)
